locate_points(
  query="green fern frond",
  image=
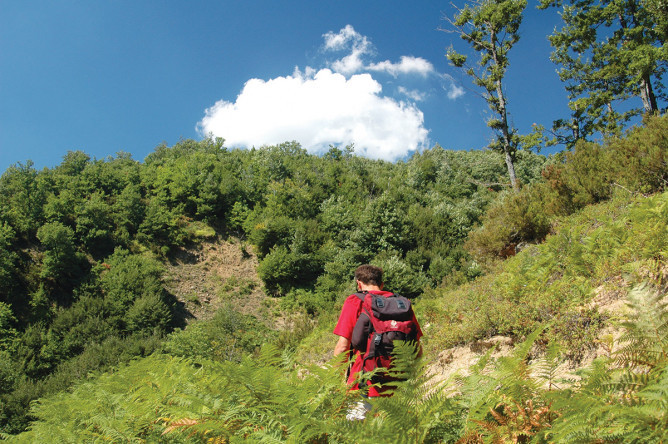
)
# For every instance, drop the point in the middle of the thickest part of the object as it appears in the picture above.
(545, 369)
(624, 398)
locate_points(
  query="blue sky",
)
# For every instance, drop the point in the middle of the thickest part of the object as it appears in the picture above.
(110, 76)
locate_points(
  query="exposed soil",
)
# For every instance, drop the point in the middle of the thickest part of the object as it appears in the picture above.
(219, 274)
(458, 360)
(608, 300)
(222, 274)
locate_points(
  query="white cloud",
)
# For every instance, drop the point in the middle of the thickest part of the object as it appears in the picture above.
(349, 64)
(340, 40)
(414, 94)
(318, 109)
(455, 92)
(407, 65)
(340, 105)
(348, 39)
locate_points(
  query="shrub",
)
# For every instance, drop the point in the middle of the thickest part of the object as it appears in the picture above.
(640, 160)
(513, 219)
(228, 336)
(278, 270)
(128, 277)
(267, 234)
(399, 277)
(148, 314)
(7, 331)
(577, 331)
(637, 163)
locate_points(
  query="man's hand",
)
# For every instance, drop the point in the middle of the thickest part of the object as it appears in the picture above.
(342, 346)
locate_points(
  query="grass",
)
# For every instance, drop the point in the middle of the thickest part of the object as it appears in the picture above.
(618, 244)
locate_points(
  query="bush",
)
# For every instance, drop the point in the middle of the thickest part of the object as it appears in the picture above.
(228, 336)
(640, 160)
(399, 277)
(148, 314)
(278, 270)
(577, 331)
(269, 233)
(513, 219)
(313, 302)
(125, 277)
(637, 163)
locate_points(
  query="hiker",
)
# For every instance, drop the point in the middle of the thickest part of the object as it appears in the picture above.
(370, 284)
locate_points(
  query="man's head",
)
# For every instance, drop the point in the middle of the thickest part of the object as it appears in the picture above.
(369, 275)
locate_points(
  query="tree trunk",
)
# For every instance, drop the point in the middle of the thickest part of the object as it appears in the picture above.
(646, 91)
(511, 170)
(647, 95)
(503, 113)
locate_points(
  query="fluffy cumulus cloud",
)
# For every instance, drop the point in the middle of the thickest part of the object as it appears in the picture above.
(341, 104)
(318, 109)
(347, 39)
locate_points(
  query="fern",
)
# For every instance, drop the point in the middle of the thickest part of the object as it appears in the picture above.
(546, 368)
(418, 411)
(505, 396)
(623, 398)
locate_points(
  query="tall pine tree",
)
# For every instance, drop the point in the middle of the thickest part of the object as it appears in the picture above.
(609, 52)
(491, 28)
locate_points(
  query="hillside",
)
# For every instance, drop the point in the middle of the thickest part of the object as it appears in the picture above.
(528, 380)
(196, 292)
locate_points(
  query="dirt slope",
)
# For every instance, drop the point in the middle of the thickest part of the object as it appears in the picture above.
(222, 274)
(458, 360)
(219, 274)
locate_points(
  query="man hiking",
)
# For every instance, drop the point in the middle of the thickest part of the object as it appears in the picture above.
(364, 330)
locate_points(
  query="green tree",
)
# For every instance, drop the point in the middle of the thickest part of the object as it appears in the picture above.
(609, 52)
(61, 263)
(127, 211)
(22, 196)
(60, 207)
(94, 225)
(8, 262)
(491, 28)
(659, 8)
(160, 228)
(69, 175)
(128, 278)
(7, 331)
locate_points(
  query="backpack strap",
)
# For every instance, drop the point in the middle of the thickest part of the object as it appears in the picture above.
(351, 352)
(362, 295)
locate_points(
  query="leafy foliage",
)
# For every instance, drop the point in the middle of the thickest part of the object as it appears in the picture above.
(82, 291)
(624, 397)
(589, 174)
(608, 52)
(551, 281)
(516, 398)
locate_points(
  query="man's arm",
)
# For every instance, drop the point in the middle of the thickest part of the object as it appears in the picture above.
(342, 346)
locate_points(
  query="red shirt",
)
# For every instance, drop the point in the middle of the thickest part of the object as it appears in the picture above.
(352, 307)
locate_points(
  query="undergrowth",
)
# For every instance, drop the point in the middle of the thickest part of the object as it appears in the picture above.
(609, 247)
(621, 397)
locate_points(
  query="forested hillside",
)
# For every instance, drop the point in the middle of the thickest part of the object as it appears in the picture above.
(92, 322)
(85, 244)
